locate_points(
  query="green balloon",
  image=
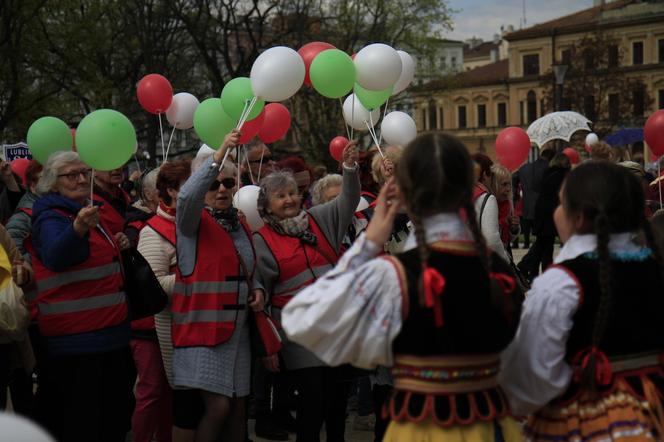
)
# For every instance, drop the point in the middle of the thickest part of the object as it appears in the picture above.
(237, 94)
(211, 123)
(332, 73)
(105, 139)
(48, 135)
(372, 99)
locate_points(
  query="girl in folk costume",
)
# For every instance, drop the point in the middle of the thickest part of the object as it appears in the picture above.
(439, 313)
(586, 359)
(212, 296)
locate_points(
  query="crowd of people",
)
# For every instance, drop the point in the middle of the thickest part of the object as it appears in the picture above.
(390, 280)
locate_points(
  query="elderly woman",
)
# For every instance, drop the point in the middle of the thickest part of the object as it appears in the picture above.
(82, 307)
(296, 247)
(326, 189)
(508, 223)
(214, 289)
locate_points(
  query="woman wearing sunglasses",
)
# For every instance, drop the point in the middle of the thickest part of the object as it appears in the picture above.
(212, 297)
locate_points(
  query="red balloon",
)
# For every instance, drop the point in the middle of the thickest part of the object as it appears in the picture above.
(572, 154)
(277, 122)
(154, 93)
(337, 146)
(308, 52)
(512, 147)
(653, 132)
(250, 128)
(18, 166)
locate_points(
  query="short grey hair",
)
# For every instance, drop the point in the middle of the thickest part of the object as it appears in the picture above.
(322, 185)
(269, 185)
(52, 168)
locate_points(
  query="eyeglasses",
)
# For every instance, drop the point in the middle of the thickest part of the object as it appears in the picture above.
(73, 176)
(266, 159)
(228, 183)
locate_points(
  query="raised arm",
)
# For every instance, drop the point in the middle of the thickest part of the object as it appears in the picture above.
(335, 216)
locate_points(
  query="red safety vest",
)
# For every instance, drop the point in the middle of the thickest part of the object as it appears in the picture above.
(299, 264)
(86, 297)
(206, 303)
(107, 213)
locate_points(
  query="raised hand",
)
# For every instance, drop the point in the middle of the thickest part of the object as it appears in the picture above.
(387, 207)
(351, 154)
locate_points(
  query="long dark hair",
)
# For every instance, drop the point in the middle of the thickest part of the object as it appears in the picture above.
(611, 200)
(435, 175)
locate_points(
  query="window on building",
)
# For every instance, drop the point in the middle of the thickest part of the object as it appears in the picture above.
(637, 52)
(531, 64)
(614, 56)
(461, 110)
(566, 57)
(521, 114)
(454, 62)
(661, 98)
(502, 114)
(441, 125)
(481, 115)
(424, 118)
(433, 118)
(589, 59)
(531, 106)
(660, 50)
(639, 98)
(589, 107)
(443, 62)
(614, 107)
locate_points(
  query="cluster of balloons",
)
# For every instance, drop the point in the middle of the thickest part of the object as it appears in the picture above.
(105, 139)
(155, 95)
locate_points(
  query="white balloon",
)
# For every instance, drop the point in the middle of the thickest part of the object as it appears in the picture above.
(277, 74)
(181, 111)
(245, 200)
(592, 139)
(19, 429)
(204, 151)
(378, 66)
(407, 72)
(356, 114)
(398, 128)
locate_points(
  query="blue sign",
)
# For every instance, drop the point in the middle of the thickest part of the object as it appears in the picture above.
(18, 150)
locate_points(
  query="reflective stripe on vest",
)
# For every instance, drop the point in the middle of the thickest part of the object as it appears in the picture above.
(293, 285)
(89, 274)
(209, 287)
(79, 305)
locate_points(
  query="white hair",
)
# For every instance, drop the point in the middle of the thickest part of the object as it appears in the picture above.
(322, 185)
(55, 163)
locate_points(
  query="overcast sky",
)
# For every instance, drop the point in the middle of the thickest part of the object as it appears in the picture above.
(483, 18)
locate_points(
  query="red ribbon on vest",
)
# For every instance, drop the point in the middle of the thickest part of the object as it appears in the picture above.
(506, 282)
(434, 284)
(603, 373)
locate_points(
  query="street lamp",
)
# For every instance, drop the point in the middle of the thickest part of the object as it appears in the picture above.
(559, 71)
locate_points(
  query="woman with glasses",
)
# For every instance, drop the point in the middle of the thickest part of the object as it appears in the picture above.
(82, 308)
(214, 290)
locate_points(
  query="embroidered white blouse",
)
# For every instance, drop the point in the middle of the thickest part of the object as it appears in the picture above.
(533, 368)
(353, 313)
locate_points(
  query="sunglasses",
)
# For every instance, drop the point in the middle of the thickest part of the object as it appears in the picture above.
(228, 183)
(266, 159)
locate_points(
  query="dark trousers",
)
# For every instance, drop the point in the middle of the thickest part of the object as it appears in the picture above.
(381, 395)
(540, 253)
(94, 394)
(321, 398)
(18, 381)
(364, 400)
(271, 392)
(526, 228)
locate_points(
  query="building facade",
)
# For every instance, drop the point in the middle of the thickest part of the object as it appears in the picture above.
(475, 105)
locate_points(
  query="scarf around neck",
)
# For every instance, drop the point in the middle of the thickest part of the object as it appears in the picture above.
(227, 218)
(296, 227)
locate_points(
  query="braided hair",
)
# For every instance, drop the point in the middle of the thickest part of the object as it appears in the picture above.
(610, 200)
(435, 174)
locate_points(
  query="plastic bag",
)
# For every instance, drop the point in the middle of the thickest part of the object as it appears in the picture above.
(14, 315)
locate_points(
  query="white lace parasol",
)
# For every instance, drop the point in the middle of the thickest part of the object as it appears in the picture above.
(557, 126)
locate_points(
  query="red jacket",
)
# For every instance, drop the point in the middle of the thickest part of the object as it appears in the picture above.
(86, 297)
(206, 302)
(299, 264)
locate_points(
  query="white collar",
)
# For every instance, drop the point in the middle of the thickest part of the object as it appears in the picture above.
(441, 227)
(577, 245)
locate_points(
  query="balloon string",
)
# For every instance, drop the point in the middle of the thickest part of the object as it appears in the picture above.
(224, 159)
(239, 121)
(659, 176)
(260, 166)
(373, 136)
(372, 130)
(161, 132)
(138, 165)
(380, 138)
(352, 116)
(168, 148)
(345, 122)
(246, 157)
(244, 117)
(237, 153)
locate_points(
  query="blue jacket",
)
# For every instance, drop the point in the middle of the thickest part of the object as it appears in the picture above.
(59, 247)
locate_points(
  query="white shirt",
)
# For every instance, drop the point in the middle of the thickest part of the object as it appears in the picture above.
(353, 313)
(533, 368)
(489, 224)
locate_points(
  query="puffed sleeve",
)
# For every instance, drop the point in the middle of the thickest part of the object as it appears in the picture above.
(533, 367)
(353, 313)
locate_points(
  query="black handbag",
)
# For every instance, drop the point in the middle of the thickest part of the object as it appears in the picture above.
(145, 295)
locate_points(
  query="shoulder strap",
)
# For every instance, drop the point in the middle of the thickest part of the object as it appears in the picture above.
(486, 198)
